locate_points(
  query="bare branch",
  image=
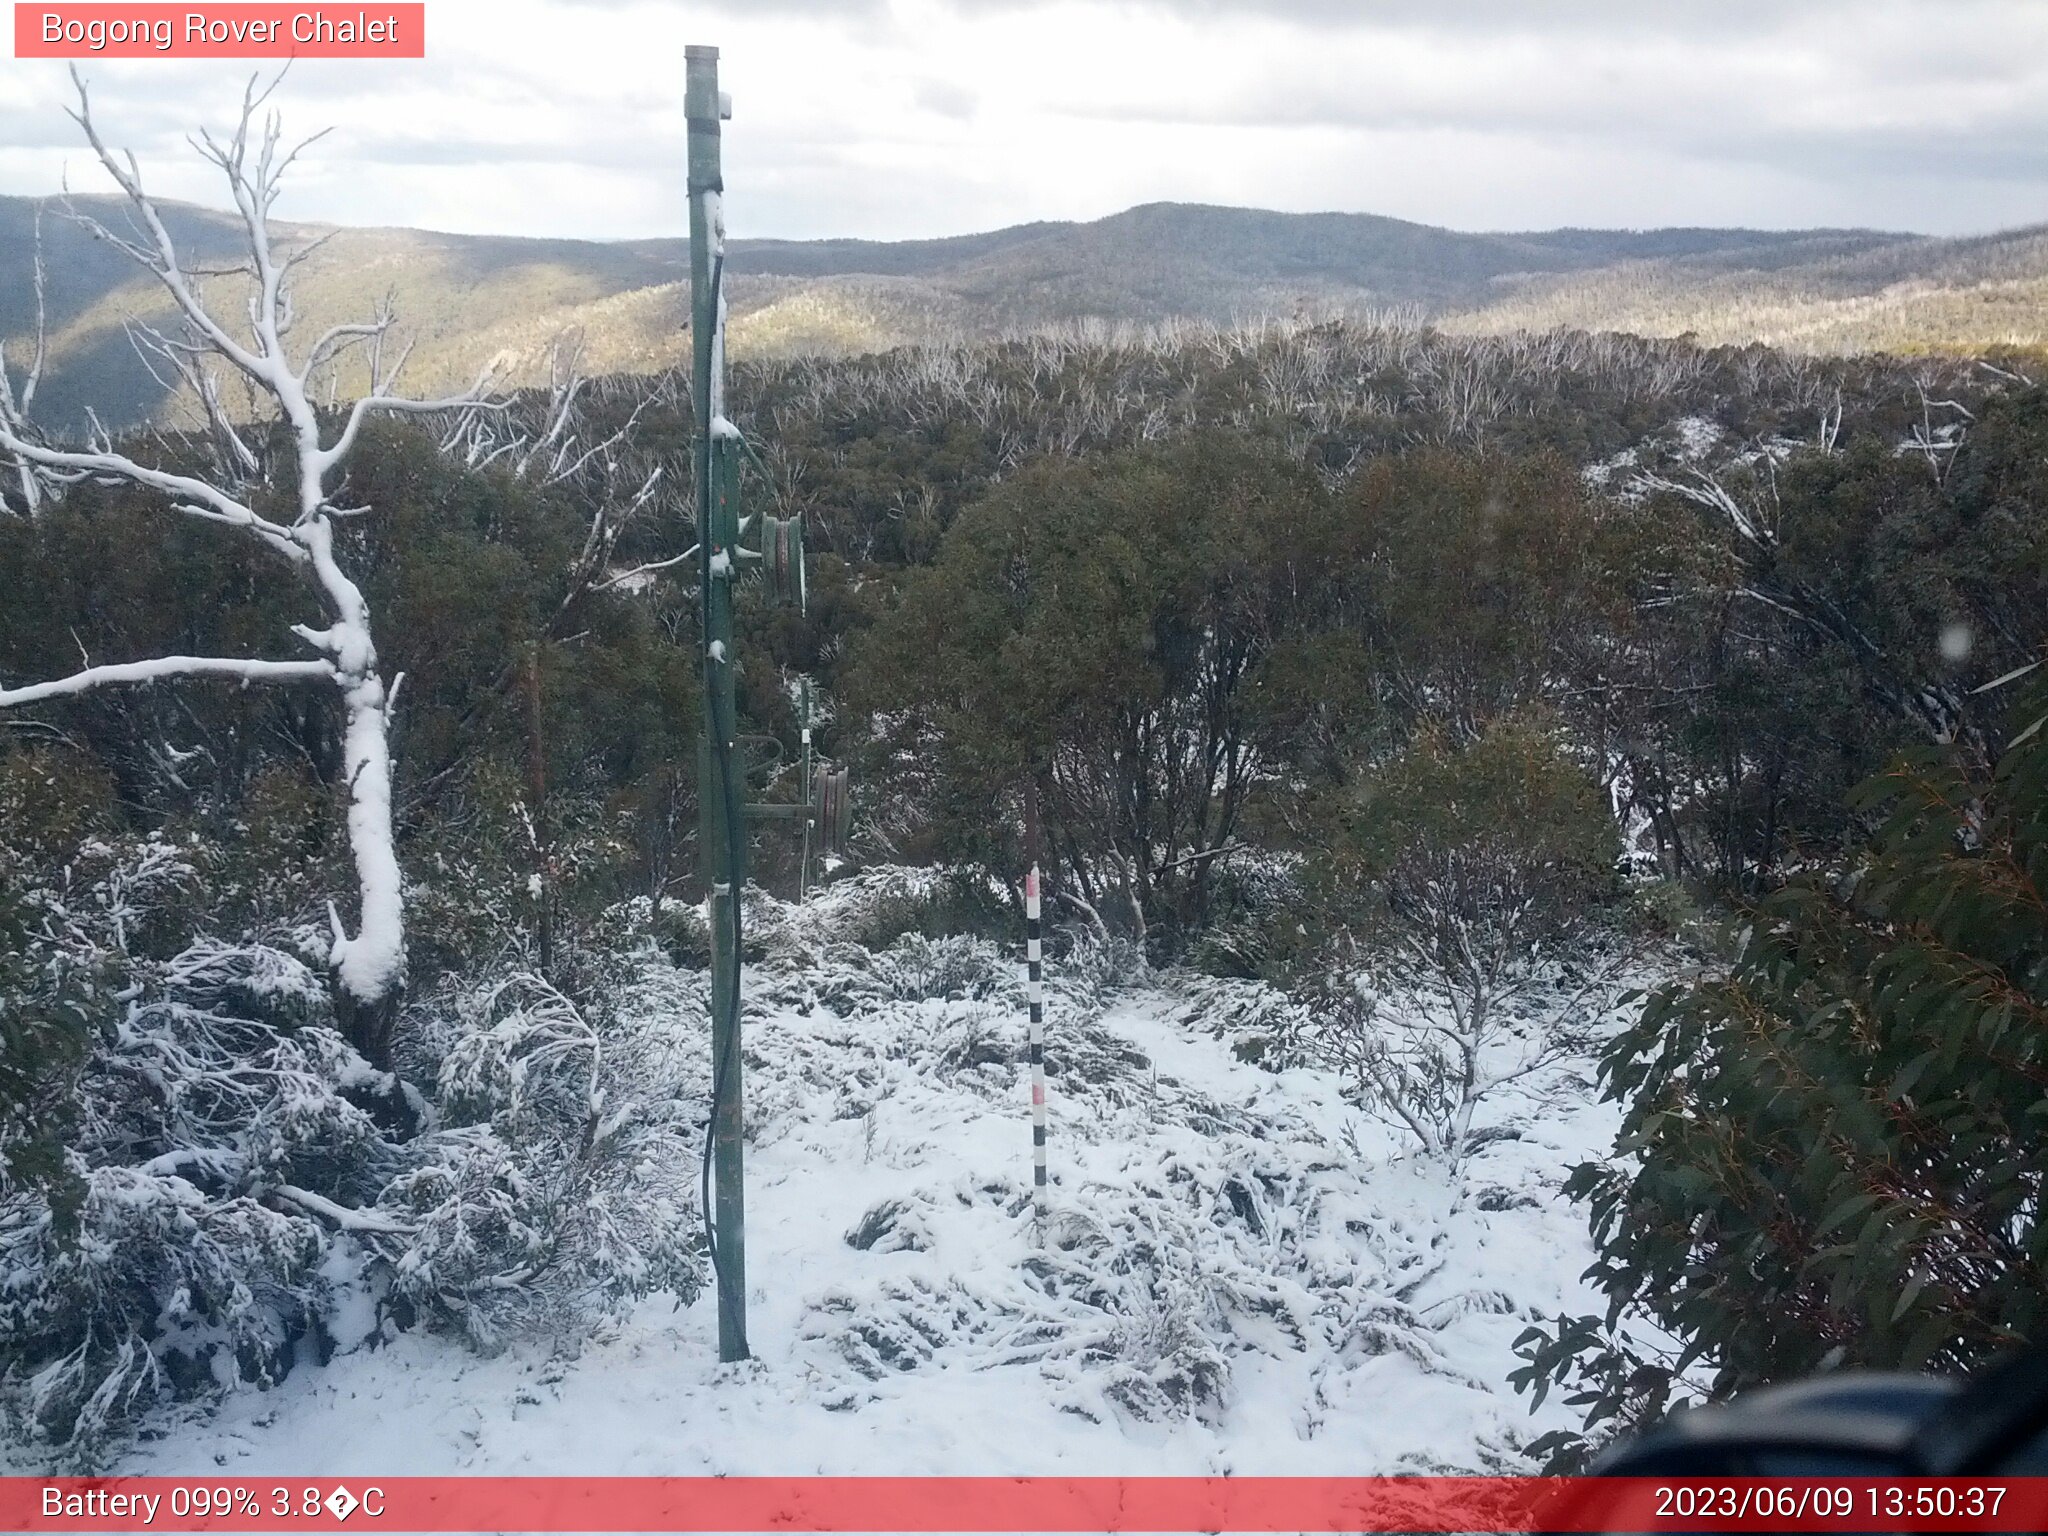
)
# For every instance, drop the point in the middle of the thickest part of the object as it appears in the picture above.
(475, 399)
(161, 667)
(163, 258)
(35, 366)
(194, 497)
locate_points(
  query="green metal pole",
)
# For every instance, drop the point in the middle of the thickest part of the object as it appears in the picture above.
(721, 840)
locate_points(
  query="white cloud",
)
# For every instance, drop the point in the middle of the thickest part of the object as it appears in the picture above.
(892, 118)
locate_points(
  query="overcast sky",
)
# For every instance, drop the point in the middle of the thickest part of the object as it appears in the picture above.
(899, 118)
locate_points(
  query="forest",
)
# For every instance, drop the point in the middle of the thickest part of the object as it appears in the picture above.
(1483, 723)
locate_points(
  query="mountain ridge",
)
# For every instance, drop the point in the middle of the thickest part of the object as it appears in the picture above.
(469, 298)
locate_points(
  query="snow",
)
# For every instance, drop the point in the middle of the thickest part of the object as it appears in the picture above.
(162, 667)
(1696, 436)
(714, 218)
(371, 963)
(1599, 474)
(1688, 441)
(714, 221)
(1242, 1273)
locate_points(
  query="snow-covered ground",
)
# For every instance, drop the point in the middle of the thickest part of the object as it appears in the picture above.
(1242, 1272)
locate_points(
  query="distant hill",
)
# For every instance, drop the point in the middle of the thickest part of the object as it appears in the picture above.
(1900, 295)
(466, 299)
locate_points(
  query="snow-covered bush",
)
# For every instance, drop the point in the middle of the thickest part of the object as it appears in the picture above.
(915, 968)
(1431, 1065)
(1455, 877)
(875, 907)
(184, 1248)
(1093, 970)
(561, 1184)
(1260, 1022)
(250, 980)
(151, 1289)
(1158, 1307)
(802, 972)
(236, 1104)
(1258, 923)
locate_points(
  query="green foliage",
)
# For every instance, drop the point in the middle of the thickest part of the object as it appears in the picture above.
(1483, 574)
(46, 1014)
(1125, 629)
(1834, 1153)
(1503, 827)
(1780, 670)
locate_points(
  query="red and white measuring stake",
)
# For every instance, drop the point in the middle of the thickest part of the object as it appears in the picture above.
(1035, 992)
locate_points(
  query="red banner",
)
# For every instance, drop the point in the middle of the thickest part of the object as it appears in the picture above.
(238, 31)
(1067, 1504)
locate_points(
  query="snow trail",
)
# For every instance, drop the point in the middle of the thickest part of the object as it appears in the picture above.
(1242, 1273)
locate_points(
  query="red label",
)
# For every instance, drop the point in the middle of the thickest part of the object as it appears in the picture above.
(239, 31)
(1070, 1504)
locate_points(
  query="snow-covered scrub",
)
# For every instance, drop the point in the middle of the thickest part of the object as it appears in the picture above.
(181, 1248)
(1685, 443)
(237, 1191)
(368, 964)
(562, 1178)
(1427, 1057)
(1461, 884)
(1240, 1271)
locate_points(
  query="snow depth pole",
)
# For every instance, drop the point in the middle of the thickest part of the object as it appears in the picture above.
(1034, 961)
(803, 867)
(720, 817)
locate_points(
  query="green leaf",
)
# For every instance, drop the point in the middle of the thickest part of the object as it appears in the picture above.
(1908, 1296)
(1846, 1211)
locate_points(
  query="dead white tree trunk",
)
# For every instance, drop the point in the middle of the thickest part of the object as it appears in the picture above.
(17, 403)
(368, 964)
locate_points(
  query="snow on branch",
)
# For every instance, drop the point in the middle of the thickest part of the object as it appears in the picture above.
(474, 398)
(369, 965)
(193, 497)
(248, 670)
(1705, 490)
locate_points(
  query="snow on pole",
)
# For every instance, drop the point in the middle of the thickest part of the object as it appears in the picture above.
(721, 837)
(1034, 960)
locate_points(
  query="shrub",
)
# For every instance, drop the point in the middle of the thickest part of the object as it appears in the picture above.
(1453, 874)
(1834, 1153)
(561, 1186)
